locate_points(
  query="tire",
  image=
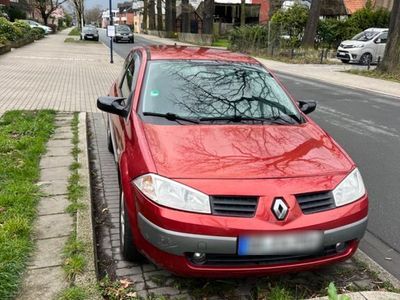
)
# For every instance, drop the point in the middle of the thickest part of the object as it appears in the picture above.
(109, 140)
(128, 248)
(345, 61)
(366, 59)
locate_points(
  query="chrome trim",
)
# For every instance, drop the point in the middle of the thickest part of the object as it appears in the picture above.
(178, 243)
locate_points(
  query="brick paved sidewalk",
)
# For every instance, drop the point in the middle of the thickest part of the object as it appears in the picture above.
(51, 74)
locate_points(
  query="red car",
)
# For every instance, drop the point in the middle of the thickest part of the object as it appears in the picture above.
(221, 172)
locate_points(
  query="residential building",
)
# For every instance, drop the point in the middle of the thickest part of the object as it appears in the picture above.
(105, 17)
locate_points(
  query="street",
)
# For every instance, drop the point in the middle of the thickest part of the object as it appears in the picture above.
(367, 126)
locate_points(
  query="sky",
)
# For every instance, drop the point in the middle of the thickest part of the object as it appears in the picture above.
(104, 4)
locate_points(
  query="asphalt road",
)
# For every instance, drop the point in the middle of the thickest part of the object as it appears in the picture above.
(367, 125)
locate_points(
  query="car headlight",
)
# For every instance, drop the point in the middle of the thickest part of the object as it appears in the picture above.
(358, 46)
(172, 194)
(350, 189)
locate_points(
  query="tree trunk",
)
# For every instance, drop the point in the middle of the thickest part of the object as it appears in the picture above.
(159, 16)
(145, 14)
(185, 16)
(152, 15)
(173, 15)
(242, 12)
(208, 16)
(391, 59)
(168, 18)
(312, 24)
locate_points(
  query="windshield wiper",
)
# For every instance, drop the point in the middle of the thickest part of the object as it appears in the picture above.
(237, 119)
(170, 116)
(281, 119)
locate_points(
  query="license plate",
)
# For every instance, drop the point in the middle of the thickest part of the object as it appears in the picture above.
(89, 36)
(341, 54)
(281, 244)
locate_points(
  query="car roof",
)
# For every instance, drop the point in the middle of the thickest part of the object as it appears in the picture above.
(167, 52)
(377, 29)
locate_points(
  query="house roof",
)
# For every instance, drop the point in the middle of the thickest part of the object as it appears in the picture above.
(353, 5)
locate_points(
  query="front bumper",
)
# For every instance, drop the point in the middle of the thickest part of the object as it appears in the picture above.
(350, 54)
(179, 243)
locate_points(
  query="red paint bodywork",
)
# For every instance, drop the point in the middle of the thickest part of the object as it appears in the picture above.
(252, 160)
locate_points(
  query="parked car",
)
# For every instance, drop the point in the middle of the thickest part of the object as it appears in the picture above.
(365, 48)
(33, 24)
(222, 173)
(90, 32)
(123, 33)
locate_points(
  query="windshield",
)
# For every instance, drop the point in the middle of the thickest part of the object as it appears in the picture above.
(123, 29)
(365, 36)
(205, 89)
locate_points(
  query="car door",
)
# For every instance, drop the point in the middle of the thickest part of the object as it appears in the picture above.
(380, 42)
(121, 126)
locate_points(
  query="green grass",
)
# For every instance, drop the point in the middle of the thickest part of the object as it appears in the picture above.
(23, 136)
(73, 293)
(221, 43)
(75, 189)
(74, 259)
(376, 74)
(75, 31)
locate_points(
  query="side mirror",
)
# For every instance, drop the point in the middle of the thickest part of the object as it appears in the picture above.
(307, 106)
(112, 105)
(378, 41)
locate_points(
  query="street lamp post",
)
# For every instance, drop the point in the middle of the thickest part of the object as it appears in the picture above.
(111, 38)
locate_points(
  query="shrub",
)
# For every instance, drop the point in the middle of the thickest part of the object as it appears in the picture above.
(291, 23)
(23, 26)
(37, 33)
(9, 31)
(248, 38)
(3, 40)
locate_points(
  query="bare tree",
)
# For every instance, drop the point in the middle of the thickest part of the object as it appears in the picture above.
(93, 15)
(208, 16)
(168, 17)
(391, 59)
(159, 16)
(80, 10)
(312, 24)
(152, 15)
(46, 7)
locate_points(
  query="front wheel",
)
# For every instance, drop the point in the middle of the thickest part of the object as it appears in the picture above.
(366, 59)
(128, 249)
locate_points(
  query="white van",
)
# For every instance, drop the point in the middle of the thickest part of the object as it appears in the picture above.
(364, 48)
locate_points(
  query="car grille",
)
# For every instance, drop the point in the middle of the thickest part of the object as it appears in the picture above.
(234, 206)
(257, 260)
(316, 202)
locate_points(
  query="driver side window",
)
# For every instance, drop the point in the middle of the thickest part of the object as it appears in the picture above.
(128, 83)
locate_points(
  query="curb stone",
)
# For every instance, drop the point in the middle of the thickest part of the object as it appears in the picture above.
(375, 267)
(84, 224)
(367, 296)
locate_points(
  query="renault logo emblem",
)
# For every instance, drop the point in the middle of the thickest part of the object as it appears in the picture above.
(280, 209)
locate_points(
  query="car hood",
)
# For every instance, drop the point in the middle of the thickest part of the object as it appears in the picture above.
(351, 42)
(244, 151)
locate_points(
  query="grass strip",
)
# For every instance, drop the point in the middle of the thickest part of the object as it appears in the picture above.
(375, 74)
(74, 250)
(75, 31)
(23, 138)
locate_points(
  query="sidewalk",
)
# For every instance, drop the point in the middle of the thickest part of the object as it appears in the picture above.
(51, 74)
(332, 74)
